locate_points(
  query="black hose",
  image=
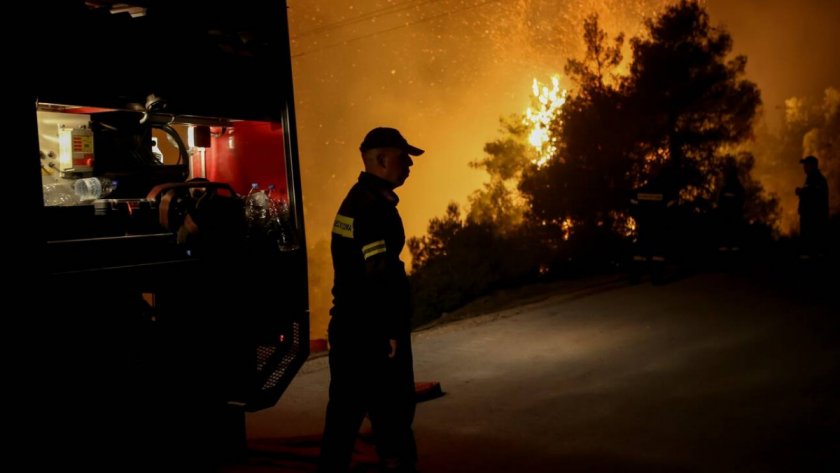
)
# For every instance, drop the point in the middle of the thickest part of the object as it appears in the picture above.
(183, 154)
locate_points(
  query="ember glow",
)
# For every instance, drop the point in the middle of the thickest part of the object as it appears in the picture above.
(623, 224)
(548, 103)
(567, 226)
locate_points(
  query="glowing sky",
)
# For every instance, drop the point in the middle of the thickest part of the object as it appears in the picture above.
(444, 71)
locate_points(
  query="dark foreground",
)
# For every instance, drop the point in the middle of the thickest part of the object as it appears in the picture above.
(722, 371)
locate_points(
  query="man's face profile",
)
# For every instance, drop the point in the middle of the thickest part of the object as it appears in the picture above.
(395, 165)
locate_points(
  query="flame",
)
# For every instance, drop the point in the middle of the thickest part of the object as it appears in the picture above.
(623, 224)
(547, 106)
(659, 155)
(630, 226)
(567, 225)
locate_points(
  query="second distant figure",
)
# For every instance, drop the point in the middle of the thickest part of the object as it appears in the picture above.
(813, 209)
(730, 209)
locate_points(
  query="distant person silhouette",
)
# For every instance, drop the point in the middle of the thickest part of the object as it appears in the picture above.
(813, 209)
(730, 209)
(651, 209)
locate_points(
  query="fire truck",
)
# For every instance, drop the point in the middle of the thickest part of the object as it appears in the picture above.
(167, 218)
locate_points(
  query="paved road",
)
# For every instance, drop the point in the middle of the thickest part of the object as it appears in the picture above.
(712, 373)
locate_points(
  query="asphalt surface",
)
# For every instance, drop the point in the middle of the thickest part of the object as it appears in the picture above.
(716, 372)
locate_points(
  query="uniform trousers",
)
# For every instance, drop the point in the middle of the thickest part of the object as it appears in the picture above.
(365, 380)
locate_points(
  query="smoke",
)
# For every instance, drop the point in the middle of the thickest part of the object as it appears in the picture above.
(442, 71)
(445, 71)
(811, 126)
(823, 141)
(790, 46)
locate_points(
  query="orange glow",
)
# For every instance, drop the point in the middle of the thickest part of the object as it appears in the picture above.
(623, 224)
(630, 225)
(657, 156)
(689, 193)
(444, 74)
(567, 226)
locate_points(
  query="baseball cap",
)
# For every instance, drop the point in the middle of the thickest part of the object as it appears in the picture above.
(809, 159)
(383, 137)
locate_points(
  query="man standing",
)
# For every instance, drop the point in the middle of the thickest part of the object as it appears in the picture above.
(370, 341)
(730, 208)
(813, 208)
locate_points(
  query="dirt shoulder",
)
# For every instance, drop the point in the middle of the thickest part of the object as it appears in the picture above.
(507, 302)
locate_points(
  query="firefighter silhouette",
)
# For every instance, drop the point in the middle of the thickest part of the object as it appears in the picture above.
(813, 210)
(730, 209)
(651, 206)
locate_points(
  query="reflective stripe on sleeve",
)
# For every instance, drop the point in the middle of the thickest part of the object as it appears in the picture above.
(343, 226)
(373, 249)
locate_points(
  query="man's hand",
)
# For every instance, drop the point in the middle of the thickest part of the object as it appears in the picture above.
(393, 348)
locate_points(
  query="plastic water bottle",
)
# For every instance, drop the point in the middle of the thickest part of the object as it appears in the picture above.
(92, 188)
(271, 197)
(288, 237)
(256, 208)
(274, 225)
(59, 194)
(279, 226)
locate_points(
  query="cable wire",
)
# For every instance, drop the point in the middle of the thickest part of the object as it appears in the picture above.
(389, 10)
(388, 30)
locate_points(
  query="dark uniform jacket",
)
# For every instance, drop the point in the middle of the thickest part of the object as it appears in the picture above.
(371, 293)
(813, 197)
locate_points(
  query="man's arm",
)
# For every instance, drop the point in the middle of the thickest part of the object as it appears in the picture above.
(388, 292)
(385, 285)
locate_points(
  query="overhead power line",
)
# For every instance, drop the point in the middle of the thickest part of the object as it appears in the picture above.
(388, 30)
(389, 10)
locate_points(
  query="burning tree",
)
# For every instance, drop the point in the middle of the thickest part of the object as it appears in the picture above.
(692, 98)
(462, 257)
(683, 104)
(561, 175)
(526, 140)
(582, 184)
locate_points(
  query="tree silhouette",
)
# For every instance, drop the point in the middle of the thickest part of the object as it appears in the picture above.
(498, 203)
(460, 260)
(691, 98)
(600, 59)
(586, 181)
(677, 116)
(683, 104)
